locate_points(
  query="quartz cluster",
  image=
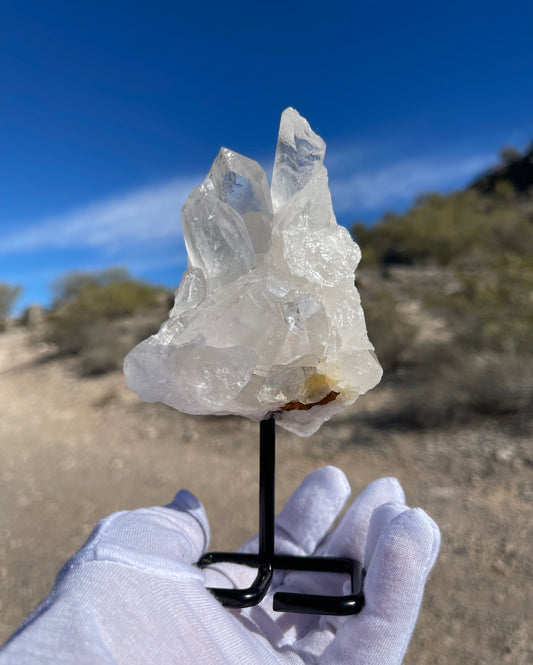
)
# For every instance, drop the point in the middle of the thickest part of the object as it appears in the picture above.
(267, 320)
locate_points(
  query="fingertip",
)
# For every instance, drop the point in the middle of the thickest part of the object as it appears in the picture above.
(186, 502)
(328, 483)
(332, 478)
(417, 526)
(403, 556)
(380, 519)
(386, 512)
(312, 508)
(429, 531)
(349, 538)
(387, 487)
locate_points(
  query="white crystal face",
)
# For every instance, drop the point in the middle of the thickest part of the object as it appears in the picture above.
(267, 320)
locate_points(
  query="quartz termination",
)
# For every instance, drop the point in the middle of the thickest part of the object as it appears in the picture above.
(267, 319)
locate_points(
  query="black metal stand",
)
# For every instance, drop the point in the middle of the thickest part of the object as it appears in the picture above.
(266, 561)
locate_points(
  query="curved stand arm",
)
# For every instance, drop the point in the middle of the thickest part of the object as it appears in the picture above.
(266, 561)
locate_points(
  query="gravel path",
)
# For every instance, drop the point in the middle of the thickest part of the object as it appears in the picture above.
(73, 450)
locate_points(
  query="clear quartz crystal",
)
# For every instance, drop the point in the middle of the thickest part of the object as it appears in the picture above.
(267, 319)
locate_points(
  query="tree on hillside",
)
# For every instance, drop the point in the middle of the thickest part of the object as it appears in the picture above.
(70, 287)
(509, 154)
(8, 297)
(106, 295)
(462, 227)
(94, 315)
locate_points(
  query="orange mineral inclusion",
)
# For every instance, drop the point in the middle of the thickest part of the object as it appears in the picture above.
(315, 386)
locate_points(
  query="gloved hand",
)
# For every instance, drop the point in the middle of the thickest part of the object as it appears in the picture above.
(133, 595)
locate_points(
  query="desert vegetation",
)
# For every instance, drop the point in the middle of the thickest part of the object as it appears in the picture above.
(9, 294)
(450, 304)
(100, 316)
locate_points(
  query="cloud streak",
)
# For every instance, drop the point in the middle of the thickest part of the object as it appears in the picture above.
(149, 215)
(398, 183)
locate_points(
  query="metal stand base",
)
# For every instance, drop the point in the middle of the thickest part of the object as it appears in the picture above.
(266, 561)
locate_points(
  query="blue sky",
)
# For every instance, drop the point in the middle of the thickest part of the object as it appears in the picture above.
(113, 111)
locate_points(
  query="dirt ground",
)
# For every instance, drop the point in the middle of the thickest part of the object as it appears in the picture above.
(73, 450)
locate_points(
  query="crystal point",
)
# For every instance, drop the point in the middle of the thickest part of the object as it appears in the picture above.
(299, 156)
(216, 238)
(242, 184)
(267, 319)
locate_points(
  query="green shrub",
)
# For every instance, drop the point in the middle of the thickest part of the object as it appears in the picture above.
(491, 307)
(87, 311)
(107, 344)
(449, 388)
(449, 230)
(103, 296)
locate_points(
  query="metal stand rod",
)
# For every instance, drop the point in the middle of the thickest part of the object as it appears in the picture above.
(266, 561)
(267, 470)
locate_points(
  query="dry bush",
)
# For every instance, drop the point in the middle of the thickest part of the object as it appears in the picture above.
(493, 306)
(449, 387)
(106, 344)
(449, 230)
(390, 332)
(8, 296)
(101, 316)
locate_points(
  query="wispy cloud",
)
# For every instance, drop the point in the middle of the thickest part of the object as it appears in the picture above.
(151, 214)
(398, 183)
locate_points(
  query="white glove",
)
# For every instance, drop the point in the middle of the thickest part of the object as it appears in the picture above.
(132, 595)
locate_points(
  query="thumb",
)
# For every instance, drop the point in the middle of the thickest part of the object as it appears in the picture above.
(157, 539)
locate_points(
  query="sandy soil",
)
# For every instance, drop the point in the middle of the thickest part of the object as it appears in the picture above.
(73, 450)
